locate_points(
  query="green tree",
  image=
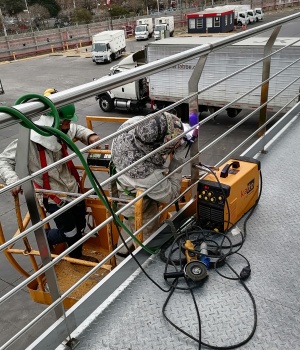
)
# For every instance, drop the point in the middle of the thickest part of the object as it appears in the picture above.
(81, 15)
(118, 11)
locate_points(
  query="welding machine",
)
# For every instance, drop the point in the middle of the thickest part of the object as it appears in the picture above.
(99, 158)
(225, 196)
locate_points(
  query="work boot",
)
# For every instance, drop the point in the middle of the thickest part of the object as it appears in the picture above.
(121, 256)
(124, 255)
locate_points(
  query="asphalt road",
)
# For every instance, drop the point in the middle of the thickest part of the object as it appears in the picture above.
(61, 72)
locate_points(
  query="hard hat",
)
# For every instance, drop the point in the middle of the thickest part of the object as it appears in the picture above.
(68, 113)
(50, 91)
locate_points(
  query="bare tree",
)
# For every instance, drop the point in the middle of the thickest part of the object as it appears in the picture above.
(39, 15)
(136, 6)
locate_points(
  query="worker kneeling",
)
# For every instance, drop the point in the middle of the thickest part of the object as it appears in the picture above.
(44, 151)
(133, 145)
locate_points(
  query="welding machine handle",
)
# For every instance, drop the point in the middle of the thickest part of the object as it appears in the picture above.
(224, 173)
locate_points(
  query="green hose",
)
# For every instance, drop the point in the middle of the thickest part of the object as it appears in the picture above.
(53, 130)
(48, 103)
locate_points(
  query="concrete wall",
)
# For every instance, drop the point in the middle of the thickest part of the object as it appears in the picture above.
(59, 39)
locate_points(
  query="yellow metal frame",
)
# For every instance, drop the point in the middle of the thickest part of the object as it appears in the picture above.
(106, 239)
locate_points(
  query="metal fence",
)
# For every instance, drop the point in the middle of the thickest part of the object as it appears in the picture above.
(43, 270)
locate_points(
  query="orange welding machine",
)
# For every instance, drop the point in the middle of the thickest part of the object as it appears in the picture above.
(223, 199)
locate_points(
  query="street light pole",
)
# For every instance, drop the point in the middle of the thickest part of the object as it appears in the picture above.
(147, 7)
(111, 22)
(74, 5)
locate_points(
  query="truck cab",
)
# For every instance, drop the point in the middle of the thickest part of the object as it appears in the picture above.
(143, 29)
(259, 13)
(242, 18)
(131, 96)
(159, 30)
(142, 32)
(252, 16)
(101, 52)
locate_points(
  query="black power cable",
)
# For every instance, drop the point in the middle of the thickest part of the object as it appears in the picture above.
(244, 274)
(174, 285)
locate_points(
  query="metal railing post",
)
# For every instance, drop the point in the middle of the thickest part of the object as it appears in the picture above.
(29, 192)
(193, 111)
(266, 75)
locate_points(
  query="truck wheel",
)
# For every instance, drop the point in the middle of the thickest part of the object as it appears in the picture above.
(106, 103)
(233, 112)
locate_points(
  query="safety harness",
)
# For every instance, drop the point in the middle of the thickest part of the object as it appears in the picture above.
(113, 171)
(46, 181)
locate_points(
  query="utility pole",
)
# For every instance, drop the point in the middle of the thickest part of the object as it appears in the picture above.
(110, 16)
(74, 5)
(3, 24)
(27, 10)
(111, 22)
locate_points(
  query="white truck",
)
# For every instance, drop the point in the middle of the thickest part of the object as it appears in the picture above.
(240, 13)
(144, 29)
(252, 16)
(108, 45)
(259, 13)
(164, 26)
(250, 12)
(171, 85)
(128, 97)
(255, 14)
